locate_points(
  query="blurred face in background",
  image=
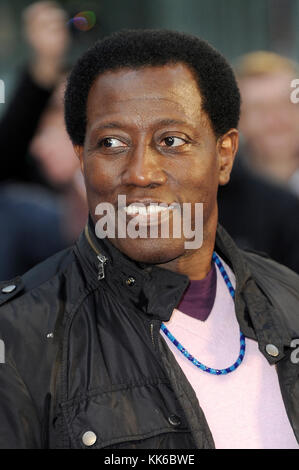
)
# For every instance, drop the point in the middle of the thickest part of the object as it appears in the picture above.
(269, 120)
(51, 145)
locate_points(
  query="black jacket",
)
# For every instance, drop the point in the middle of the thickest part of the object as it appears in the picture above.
(85, 354)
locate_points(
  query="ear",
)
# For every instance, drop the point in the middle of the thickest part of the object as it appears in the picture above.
(227, 146)
(79, 152)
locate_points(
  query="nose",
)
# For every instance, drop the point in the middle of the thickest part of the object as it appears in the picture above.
(144, 167)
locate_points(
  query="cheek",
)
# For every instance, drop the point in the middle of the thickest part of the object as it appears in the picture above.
(100, 176)
(202, 186)
(200, 177)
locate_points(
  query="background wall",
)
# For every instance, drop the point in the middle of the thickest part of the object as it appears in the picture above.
(232, 26)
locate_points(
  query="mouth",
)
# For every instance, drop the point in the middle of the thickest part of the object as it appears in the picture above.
(150, 209)
(148, 212)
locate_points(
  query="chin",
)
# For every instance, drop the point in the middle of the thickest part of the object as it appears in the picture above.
(149, 251)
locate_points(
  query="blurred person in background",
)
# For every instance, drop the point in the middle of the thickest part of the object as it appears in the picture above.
(260, 215)
(36, 151)
(52, 150)
(267, 163)
(47, 36)
(269, 119)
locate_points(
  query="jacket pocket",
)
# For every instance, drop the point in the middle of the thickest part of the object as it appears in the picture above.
(140, 416)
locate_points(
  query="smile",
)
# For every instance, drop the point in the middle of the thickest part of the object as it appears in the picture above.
(148, 210)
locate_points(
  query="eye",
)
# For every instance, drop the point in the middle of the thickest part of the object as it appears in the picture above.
(172, 141)
(111, 142)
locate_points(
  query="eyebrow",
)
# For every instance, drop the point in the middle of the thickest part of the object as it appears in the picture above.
(109, 125)
(117, 124)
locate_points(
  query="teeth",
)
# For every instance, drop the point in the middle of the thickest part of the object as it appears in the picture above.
(146, 210)
(131, 210)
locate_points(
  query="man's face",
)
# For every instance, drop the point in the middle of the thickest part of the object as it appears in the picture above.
(51, 145)
(269, 120)
(148, 139)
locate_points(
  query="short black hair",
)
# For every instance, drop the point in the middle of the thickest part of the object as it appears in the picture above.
(141, 48)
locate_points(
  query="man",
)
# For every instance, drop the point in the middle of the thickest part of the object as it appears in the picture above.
(94, 336)
(30, 230)
(31, 220)
(48, 38)
(270, 116)
(268, 214)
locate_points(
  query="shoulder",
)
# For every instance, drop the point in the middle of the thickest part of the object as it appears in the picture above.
(32, 309)
(280, 285)
(266, 269)
(258, 188)
(35, 298)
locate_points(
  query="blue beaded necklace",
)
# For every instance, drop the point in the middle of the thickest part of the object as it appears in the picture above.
(184, 351)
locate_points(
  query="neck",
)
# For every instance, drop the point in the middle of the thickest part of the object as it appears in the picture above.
(196, 264)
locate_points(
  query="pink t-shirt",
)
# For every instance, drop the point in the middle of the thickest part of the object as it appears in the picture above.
(244, 409)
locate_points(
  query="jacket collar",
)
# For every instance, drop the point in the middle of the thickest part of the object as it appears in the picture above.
(148, 289)
(155, 292)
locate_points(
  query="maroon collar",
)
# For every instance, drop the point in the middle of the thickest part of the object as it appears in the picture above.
(199, 297)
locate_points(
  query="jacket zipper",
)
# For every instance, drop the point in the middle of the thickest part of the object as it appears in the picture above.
(101, 275)
(153, 324)
(152, 334)
(101, 269)
(102, 259)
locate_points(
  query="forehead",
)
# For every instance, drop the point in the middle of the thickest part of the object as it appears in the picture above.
(164, 89)
(266, 88)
